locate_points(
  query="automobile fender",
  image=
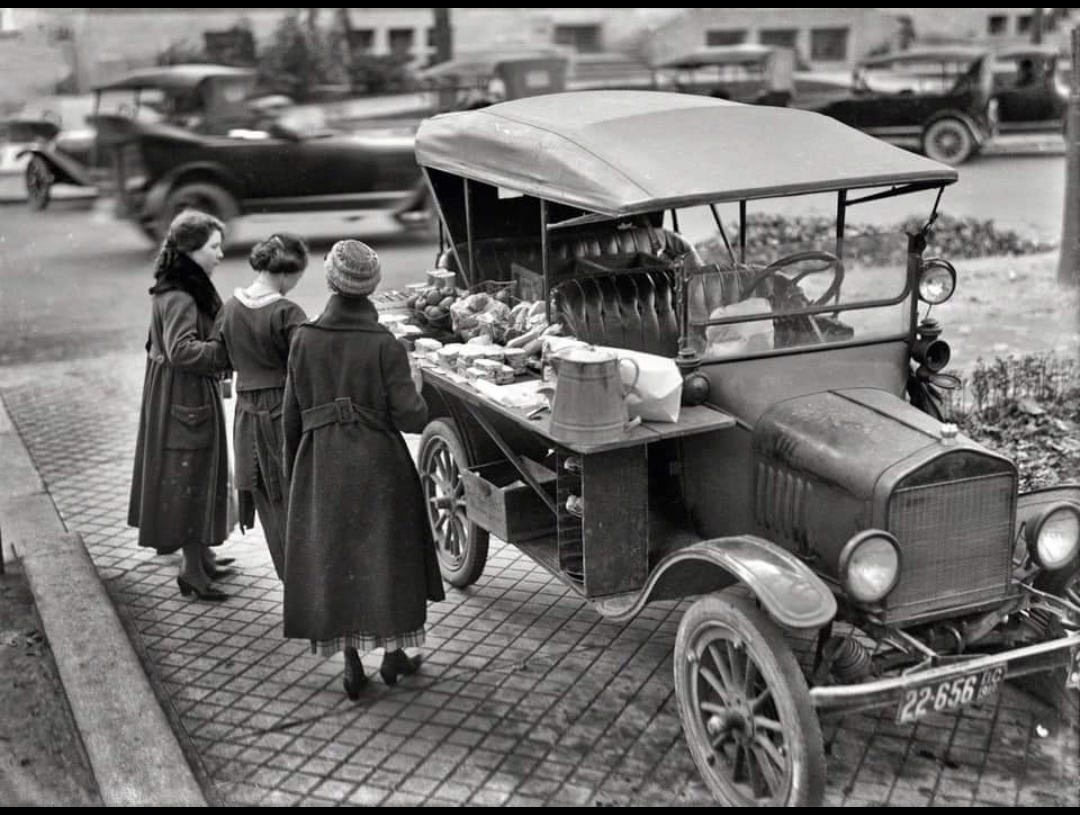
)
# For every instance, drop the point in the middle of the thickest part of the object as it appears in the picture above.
(65, 170)
(788, 590)
(979, 132)
(199, 172)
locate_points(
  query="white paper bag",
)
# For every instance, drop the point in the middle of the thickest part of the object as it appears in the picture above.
(657, 393)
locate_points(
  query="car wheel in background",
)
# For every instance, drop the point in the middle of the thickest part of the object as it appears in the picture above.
(949, 141)
(201, 195)
(39, 181)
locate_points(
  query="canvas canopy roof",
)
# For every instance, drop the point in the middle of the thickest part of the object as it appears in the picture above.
(625, 152)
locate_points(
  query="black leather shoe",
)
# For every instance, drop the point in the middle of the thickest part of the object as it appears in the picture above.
(355, 679)
(218, 574)
(222, 561)
(210, 594)
(398, 663)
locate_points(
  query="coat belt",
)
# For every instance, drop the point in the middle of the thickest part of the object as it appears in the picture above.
(344, 411)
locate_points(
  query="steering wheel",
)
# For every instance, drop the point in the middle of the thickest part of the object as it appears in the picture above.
(827, 259)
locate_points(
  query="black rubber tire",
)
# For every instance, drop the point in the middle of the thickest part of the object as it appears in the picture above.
(39, 181)
(461, 545)
(949, 141)
(766, 753)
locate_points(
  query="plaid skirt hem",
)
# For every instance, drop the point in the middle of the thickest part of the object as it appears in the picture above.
(368, 642)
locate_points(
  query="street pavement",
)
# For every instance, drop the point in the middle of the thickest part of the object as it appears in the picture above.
(527, 696)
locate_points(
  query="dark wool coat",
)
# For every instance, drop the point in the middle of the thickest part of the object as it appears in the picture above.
(179, 488)
(359, 556)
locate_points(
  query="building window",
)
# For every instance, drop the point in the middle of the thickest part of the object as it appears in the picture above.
(1023, 24)
(362, 40)
(997, 24)
(585, 39)
(828, 44)
(780, 37)
(725, 36)
(401, 41)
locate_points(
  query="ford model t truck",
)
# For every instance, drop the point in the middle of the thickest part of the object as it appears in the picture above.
(810, 493)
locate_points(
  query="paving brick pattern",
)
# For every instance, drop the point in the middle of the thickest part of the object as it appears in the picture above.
(527, 695)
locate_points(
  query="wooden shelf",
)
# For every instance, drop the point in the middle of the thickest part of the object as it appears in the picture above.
(701, 419)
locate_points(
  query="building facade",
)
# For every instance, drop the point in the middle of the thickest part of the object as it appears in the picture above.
(82, 47)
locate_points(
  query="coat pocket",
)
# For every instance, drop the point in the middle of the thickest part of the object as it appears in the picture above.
(190, 427)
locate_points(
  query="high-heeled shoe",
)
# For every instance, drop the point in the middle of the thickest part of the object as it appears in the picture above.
(210, 594)
(223, 561)
(355, 679)
(398, 663)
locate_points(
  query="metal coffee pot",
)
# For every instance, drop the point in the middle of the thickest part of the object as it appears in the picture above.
(590, 396)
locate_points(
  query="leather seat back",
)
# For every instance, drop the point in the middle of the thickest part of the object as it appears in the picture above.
(633, 309)
(495, 256)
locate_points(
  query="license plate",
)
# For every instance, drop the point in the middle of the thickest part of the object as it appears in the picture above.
(948, 694)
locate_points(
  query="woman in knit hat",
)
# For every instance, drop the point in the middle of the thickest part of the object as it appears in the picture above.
(360, 561)
(257, 324)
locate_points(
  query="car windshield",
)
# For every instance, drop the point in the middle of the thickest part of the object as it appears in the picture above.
(793, 292)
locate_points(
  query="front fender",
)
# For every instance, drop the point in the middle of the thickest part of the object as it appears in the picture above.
(65, 170)
(787, 588)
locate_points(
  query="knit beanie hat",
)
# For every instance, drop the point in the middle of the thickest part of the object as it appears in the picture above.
(352, 269)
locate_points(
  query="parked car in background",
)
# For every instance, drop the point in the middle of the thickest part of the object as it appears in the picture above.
(937, 101)
(494, 76)
(752, 73)
(1031, 89)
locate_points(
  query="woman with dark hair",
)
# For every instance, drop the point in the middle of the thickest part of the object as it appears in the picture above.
(257, 325)
(179, 489)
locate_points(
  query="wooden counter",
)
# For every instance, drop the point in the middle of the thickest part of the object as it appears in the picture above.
(699, 419)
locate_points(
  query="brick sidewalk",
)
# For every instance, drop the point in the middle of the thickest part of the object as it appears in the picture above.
(527, 695)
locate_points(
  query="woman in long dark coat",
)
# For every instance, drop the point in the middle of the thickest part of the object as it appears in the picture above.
(360, 561)
(179, 492)
(257, 324)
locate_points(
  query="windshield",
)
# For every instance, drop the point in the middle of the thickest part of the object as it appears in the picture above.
(793, 291)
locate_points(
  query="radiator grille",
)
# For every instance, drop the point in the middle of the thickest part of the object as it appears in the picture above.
(955, 541)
